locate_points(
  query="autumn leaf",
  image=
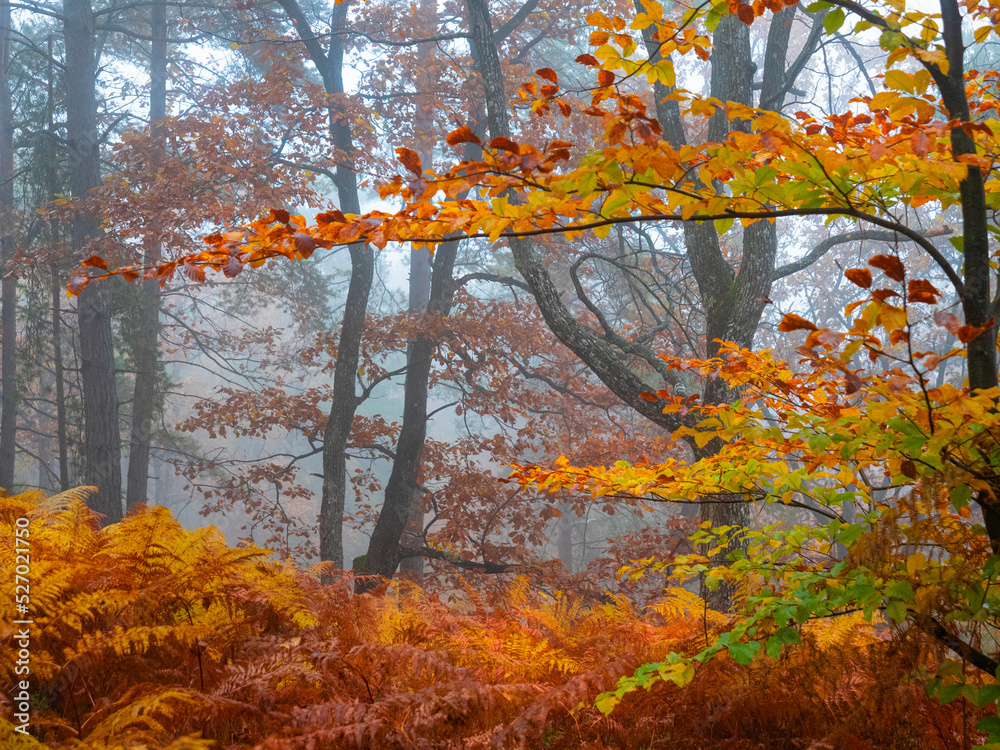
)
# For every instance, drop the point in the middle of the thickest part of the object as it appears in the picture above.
(76, 284)
(548, 74)
(921, 290)
(304, 244)
(605, 77)
(232, 267)
(745, 13)
(890, 265)
(948, 321)
(505, 144)
(861, 277)
(280, 214)
(587, 60)
(95, 261)
(462, 134)
(792, 322)
(409, 159)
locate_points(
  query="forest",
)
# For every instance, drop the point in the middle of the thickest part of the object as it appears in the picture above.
(458, 375)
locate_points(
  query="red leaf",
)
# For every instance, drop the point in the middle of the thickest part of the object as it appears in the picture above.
(505, 144)
(564, 108)
(587, 60)
(548, 74)
(280, 214)
(862, 277)
(891, 266)
(793, 322)
(605, 77)
(95, 261)
(409, 159)
(745, 13)
(921, 290)
(462, 134)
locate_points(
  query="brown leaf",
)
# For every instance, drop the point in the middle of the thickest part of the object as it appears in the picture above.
(409, 159)
(505, 144)
(745, 13)
(891, 266)
(462, 134)
(587, 60)
(793, 322)
(304, 244)
(852, 382)
(920, 142)
(232, 267)
(95, 261)
(329, 217)
(908, 469)
(193, 272)
(861, 277)
(548, 74)
(129, 274)
(280, 214)
(883, 294)
(605, 77)
(948, 321)
(921, 290)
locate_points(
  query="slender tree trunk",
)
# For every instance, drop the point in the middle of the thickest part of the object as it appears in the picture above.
(102, 440)
(8, 287)
(147, 348)
(420, 261)
(330, 65)
(60, 379)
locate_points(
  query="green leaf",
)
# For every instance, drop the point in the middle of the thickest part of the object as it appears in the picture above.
(960, 496)
(834, 20)
(743, 653)
(896, 610)
(948, 693)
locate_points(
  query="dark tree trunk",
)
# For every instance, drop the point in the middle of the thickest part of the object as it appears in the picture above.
(102, 440)
(330, 65)
(146, 354)
(8, 287)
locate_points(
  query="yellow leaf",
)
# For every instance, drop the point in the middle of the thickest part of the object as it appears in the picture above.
(915, 563)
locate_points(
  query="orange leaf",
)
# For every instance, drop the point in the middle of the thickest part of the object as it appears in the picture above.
(329, 217)
(891, 266)
(862, 277)
(462, 134)
(605, 78)
(505, 144)
(969, 333)
(648, 396)
(921, 290)
(129, 274)
(95, 261)
(409, 159)
(548, 74)
(793, 322)
(75, 285)
(587, 60)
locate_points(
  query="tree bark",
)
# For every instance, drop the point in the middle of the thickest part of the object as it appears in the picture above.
(330, 65)
(8, 287)
(147, 350)
(102, 440)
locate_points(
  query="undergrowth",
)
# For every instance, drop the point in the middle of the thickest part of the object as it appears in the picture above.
(146, 635)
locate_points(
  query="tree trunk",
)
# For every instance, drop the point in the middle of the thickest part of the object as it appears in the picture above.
(8, 287)
(330, 65)
(147, 348)
(102, 440)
